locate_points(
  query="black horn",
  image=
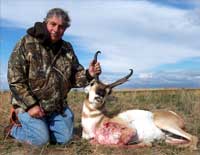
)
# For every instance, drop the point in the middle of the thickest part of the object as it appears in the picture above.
(95, 60)
(122, 80)
(95, 56)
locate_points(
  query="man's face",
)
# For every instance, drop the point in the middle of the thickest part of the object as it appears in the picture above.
(55, 28)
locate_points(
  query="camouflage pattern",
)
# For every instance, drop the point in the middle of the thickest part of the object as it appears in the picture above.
(36, 76)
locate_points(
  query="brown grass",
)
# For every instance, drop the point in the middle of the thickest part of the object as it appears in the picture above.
(185, 102)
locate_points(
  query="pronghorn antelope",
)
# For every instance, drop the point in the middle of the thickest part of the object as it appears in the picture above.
(137, 127)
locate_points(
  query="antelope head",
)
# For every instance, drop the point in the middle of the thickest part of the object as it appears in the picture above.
(98, 91)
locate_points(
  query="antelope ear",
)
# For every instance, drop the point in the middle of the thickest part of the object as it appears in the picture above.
(87, 89)
(108, 91)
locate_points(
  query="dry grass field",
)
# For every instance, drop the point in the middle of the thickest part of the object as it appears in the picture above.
(185, 102)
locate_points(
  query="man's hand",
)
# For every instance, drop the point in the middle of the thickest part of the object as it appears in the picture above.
(36, 111)
(94, 68)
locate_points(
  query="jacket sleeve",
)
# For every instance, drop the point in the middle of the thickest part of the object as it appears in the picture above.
(18, 77)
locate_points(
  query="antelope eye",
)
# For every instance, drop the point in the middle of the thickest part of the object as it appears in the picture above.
(92, 83)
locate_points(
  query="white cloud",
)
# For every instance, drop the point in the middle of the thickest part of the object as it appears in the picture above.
(130, 34)
(145, 75)
(137, 34)
(3, 76)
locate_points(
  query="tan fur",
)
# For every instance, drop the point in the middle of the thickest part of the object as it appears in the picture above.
(104, 117)
(170, 121)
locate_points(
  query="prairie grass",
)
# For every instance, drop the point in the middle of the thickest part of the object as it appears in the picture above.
(185, 102)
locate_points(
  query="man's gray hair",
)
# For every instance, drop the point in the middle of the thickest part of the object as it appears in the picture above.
(58, 12)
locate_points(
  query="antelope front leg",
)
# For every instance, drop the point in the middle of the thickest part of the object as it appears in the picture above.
(86, 135)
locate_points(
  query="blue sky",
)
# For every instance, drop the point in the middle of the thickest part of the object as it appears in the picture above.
(159, 39)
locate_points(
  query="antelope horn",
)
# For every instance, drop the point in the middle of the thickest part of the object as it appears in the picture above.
(95, 60)
(95, 56)
(121, 81)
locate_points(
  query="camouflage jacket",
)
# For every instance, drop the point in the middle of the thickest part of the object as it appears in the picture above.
(37, 76)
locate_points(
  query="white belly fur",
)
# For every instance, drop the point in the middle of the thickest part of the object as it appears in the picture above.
(142, 121)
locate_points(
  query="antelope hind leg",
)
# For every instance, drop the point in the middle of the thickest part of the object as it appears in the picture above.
(171, 122)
